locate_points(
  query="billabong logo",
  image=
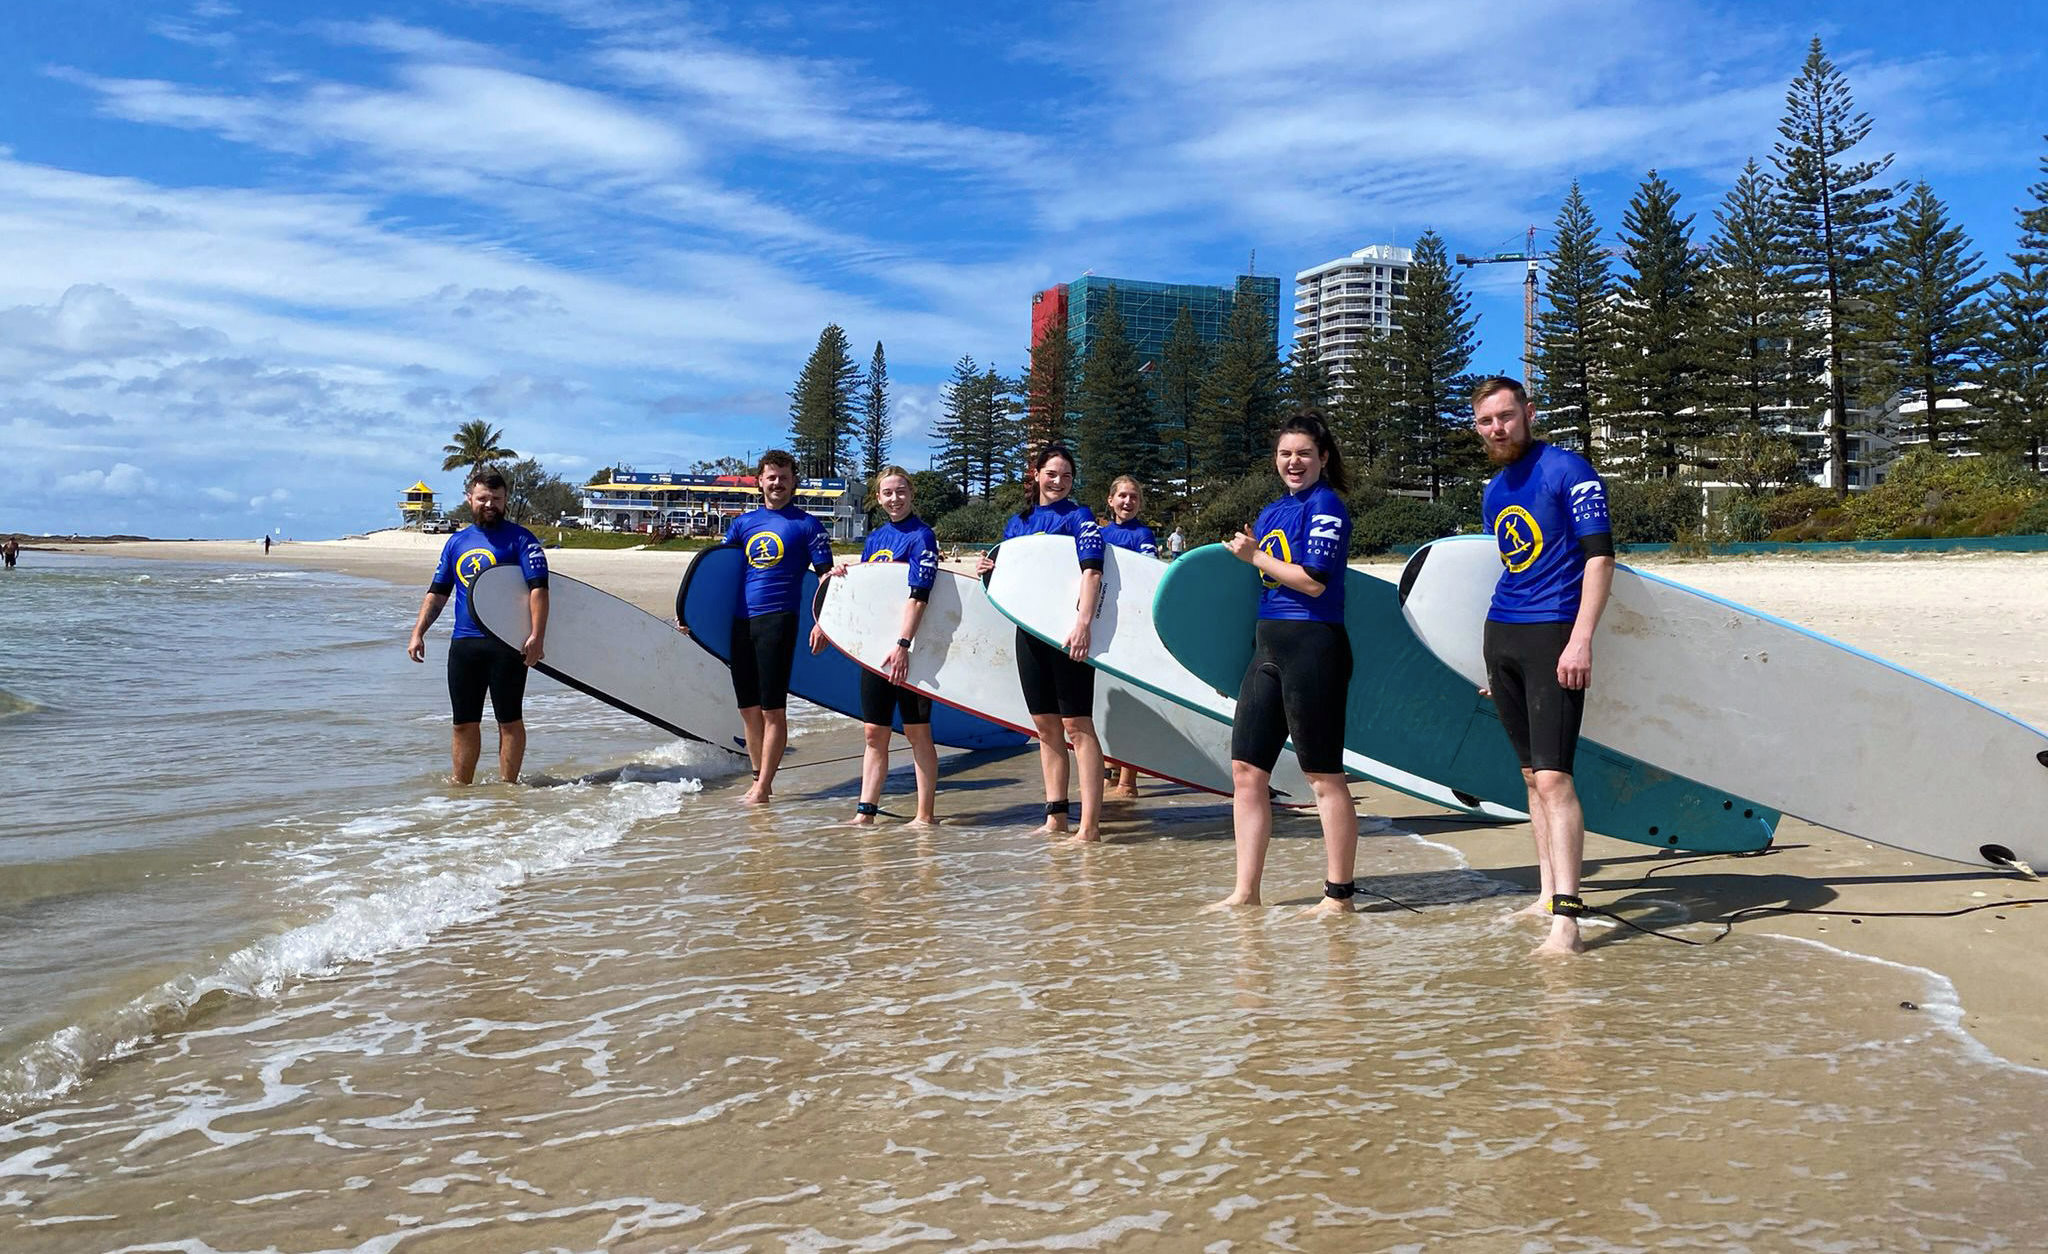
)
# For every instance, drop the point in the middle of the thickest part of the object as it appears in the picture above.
(1323, 526)
(1520, 539)
(764, 550)
(1274, 544)
(472, 563)
(1592, 487)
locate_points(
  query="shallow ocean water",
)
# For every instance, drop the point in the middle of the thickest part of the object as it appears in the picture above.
(630, 1014)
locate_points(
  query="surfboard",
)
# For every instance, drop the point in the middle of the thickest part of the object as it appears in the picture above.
(1409, 710)
(709, 598)
(966, 658)
(617, 652)
(1037, 583)
(1735, 697)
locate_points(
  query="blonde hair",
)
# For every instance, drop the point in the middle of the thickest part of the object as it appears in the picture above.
(1121, 480)
(889, 472)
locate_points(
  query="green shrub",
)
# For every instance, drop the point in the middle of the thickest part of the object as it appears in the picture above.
(1827, 524)
(1932, 494)
(1652, 513)
(935, 494)
(1221, 512)
(978, 522)
(1742, 518)
(1793, 506)
(1400, 520)
(2032, 521)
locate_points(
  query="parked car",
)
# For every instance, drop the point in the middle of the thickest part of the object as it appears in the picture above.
(439, 525)
(577, 521)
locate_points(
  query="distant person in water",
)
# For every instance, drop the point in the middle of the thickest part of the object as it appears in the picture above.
(772, 536)
(1547, 509)
(1124, 531)
(11, 551)
(266, 546)
(479, 664)
(905, 539)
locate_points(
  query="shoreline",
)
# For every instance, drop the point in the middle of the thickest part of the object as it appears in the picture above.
(1960, 619)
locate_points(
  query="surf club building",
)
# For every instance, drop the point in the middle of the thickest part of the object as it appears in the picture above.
(637, 500)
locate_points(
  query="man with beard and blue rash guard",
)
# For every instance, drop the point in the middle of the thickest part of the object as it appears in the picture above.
(764, 632)
(1547, 510)
(478, 663)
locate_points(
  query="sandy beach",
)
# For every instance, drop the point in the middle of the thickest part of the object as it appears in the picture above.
(1970, 621)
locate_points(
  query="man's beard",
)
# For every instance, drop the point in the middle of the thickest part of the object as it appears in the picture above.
(1511, 454)
(489, 514)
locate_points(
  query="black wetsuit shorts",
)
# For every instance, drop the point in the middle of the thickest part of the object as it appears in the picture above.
(479, 665)
(880, 701)
(763, 650)
(1296, 686)
(1541, 716)
(1053, 682)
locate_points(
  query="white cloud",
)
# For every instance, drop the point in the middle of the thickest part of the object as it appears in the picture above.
(121, 479)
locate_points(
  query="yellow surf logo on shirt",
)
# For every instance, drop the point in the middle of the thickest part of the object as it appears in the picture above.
(883, 555)
(472, 563)
(764, 550)
(1274, 544)
(1520, 539)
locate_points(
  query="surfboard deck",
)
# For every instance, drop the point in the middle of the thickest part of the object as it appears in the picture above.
(1734, 697)
(1037, 584)
(709, 599)
(966, 658)
(1409, 710)
(616, 652)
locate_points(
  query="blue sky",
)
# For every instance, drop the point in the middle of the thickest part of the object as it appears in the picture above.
(262, 258)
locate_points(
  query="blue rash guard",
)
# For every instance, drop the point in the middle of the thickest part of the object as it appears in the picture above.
(1542, 510)
(1062, 518)
(475, 549)
(907, 541)
(774, 579)
(1311, 529)
(1134, 535)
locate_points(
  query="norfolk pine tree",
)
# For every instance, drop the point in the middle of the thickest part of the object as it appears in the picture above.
(1178, 389)
(1240, 396)
(1753, 332)
(1434, 350)
(1575, 328)
(1305, 382)
(1119, 433)
(953, 434)
(2019, 370)
(997, 428)
(872, 404)
(821, 407)
(1363, 412)
(1834, 208)
(1658, 330)
(1936, 323)
(1049, 387)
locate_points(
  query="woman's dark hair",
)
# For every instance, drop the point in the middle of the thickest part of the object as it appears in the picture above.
(1310, 423)
(1038, 461)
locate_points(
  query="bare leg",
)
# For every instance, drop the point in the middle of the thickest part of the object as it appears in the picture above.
(1565, 851)
(1339, 815)
(925, 754)
(774, 737)
(874, 767)
(1088, 762)
(511, 750)
(465, 746)
(1539, 828)
(1251, 813)
(1052, 765)
(1127, 784)
(750, 718)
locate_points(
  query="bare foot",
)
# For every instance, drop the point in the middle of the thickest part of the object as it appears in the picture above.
(755, 797)
(1124, 794)
(922, 823)
(1329, 905)
(1231, 902)
(1051, 827)
(1086, 836)
(862, 820)
(1537, 909)
(1563, 941)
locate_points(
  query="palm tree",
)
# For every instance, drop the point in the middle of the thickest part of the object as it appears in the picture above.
(476, 444)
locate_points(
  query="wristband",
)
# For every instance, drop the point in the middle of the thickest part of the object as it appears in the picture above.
(903, 642)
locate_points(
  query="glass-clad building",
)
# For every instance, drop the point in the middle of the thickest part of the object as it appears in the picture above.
(1148, 309)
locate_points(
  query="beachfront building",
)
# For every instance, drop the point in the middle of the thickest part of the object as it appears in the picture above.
(637, 500)
(416, 505)
(1340, 304)
(1148, 310)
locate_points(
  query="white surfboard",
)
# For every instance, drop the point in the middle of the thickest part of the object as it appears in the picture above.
(965, 656)
(1037, 583)
(1740, 700)
(617, 652)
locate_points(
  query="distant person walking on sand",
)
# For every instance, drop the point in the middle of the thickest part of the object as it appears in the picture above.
(1176, 544)
(1547, 509)
(266, 546)
(1124, 531)
(479, 664)
(763, 648)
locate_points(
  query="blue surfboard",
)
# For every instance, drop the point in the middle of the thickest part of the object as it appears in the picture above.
(1409, 710)
(709, 600)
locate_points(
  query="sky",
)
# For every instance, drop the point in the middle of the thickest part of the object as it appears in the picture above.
(262, 258)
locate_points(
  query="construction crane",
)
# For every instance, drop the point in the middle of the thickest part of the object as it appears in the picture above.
(1530, 257)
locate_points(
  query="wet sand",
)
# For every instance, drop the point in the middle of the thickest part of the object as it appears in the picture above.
(1970, 621)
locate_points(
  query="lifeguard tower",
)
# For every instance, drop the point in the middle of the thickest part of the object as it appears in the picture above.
(417, 506)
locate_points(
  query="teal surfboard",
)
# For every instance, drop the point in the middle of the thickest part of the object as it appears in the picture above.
(1409, 710)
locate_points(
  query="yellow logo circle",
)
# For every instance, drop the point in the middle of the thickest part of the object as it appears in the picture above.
(884, 555)
(472, 563)
(1274, 544)
(764, 550)
(1520, 539)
